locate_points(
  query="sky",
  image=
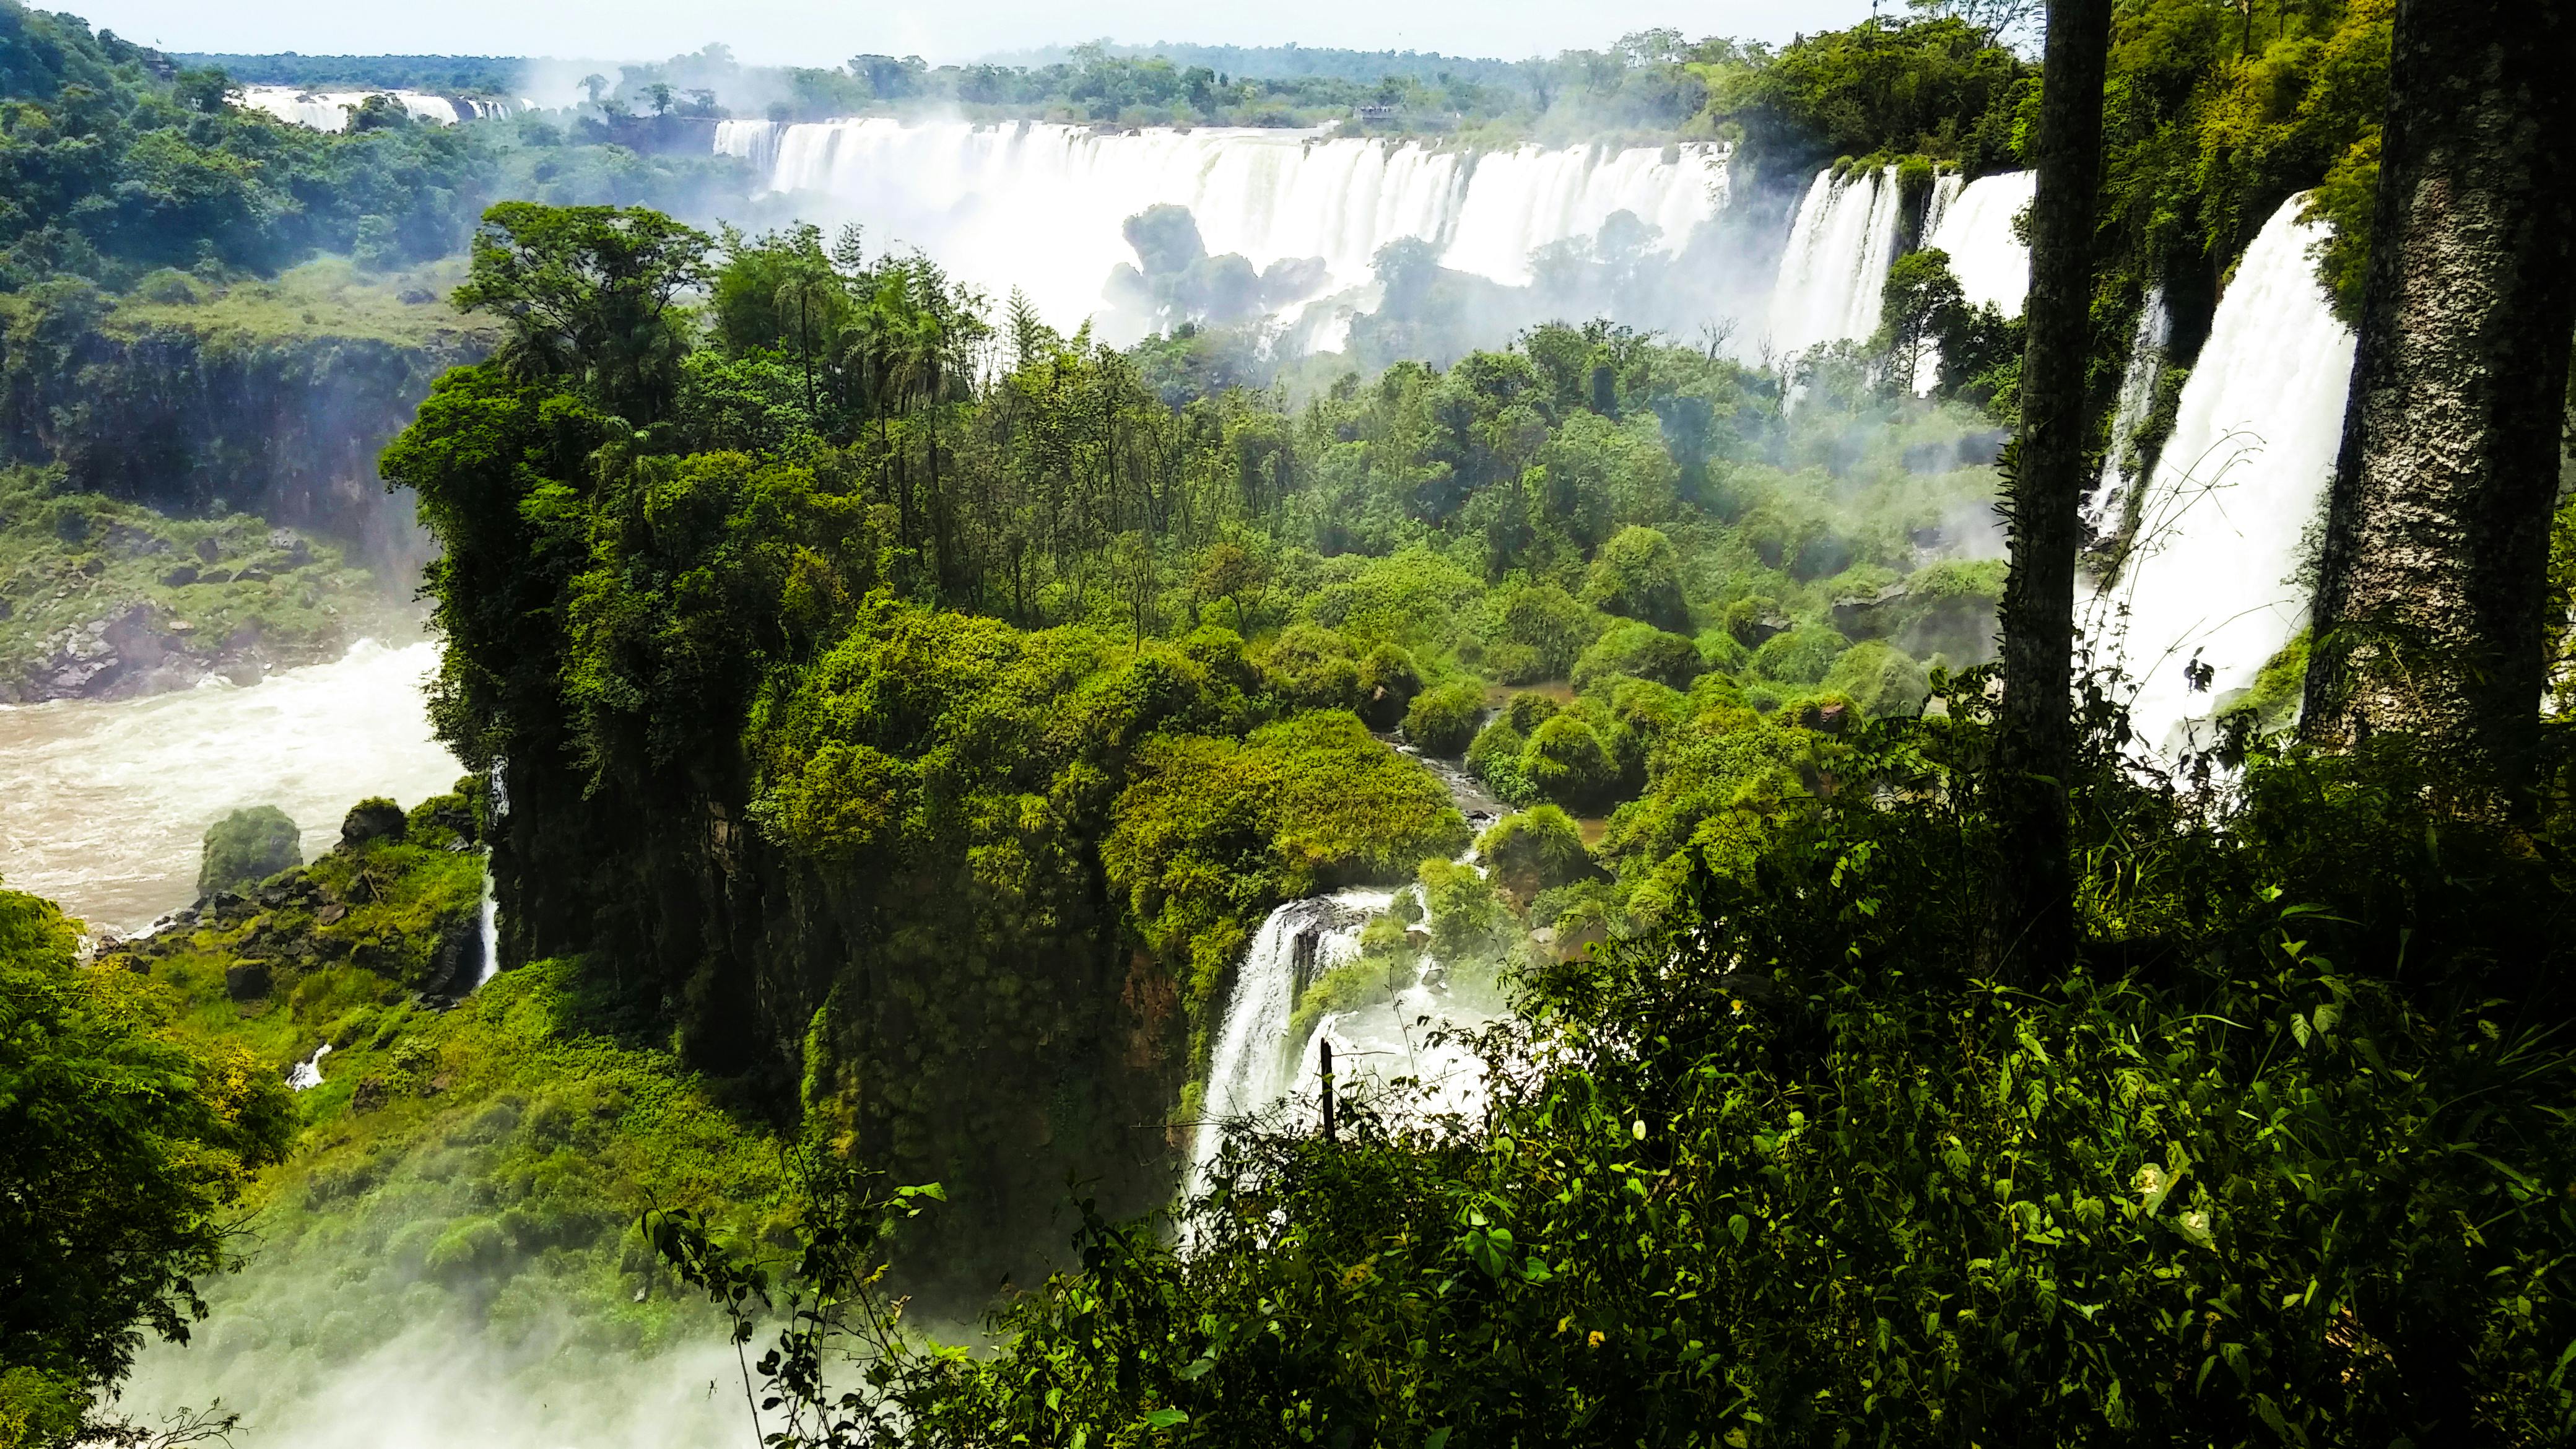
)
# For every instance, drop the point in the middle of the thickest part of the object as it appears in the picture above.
(824, 32)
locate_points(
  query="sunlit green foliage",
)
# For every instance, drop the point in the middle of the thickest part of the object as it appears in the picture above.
(125, 1146)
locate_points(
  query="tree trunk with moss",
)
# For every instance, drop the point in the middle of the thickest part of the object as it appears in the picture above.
(2430, 608)
(2031, 922)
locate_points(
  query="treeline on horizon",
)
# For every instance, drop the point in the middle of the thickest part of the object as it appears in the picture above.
(908, 711)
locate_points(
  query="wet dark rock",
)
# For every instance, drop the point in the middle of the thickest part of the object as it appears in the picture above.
(370, 820)
(1762, 627)
(207, 550)
(253, 575)
(292, 544)
(458, 963)
(247, 981)
(331, 915)
(1872, 617)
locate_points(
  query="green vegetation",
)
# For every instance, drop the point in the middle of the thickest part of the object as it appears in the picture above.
(127, 1144)
(247, 847)
(100, 597)
(2278, 1159)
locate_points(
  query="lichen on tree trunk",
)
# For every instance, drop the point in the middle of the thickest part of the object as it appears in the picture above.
(2430, 600)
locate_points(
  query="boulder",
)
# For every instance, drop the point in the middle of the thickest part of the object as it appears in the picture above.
(372, 820)
(247, 981)
(180, 576)
(1870, 618)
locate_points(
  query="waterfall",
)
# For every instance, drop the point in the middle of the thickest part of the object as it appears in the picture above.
(972, 196)
(1247, 1072)
(1836, 263)
(2105, 511)
(305, 1075)
(1976, 229)
(326, 110)
(2208, 593)
(491, 926)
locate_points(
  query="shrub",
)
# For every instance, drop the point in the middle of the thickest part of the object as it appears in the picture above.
(1642, 651)
(247, 847)
(1566, 762)
(1387, 684)
(1878, 680)
(1442, 721)
(1804, 655)
(1638, 576)
(1468, 920)
(1537, 850)
(1311, 668)
(1542, 631)
(1495, 758)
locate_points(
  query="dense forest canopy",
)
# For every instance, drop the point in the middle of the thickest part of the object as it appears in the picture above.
(891, 719)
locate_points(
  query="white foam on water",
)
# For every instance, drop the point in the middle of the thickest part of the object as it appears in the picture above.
(105, 805)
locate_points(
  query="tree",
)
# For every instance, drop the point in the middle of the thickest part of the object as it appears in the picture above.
(587, 292)
(1920, 305)
(119, 1151)
(2431, 593)
(2033, 920)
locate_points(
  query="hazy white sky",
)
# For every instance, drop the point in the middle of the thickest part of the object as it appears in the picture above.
(823, 32)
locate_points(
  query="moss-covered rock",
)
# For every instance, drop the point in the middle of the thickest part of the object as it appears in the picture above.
(247, 847)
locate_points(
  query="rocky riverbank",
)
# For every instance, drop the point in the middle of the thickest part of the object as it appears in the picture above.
(101, 599)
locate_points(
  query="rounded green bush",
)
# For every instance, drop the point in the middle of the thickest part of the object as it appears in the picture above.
(1804, 655)
(247, 847)
(1566, 762)
(1879, 680)
(1534, 851)
(1642, 651)
(1312, 668)
(1442, 721)
(1638, 576)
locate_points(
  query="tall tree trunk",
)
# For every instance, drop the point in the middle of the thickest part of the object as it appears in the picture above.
(2031, 915)
(2429, 608)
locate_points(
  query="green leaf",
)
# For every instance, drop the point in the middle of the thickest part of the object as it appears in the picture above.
(1166, 1419)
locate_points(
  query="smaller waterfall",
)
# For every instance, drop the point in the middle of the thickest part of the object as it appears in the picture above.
(491, 925)
(307, 1074)
(2105, 512)
(1246, 1070)
(1840, 248)
(2209, 592)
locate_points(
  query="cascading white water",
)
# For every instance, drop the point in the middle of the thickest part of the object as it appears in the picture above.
(104, 804)
(327, 110)
(2210, 577)
(973, 196)
(1976, 229)
(305, 1075)
(2104, 509)
(1836, 263)
(1246, 1070)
